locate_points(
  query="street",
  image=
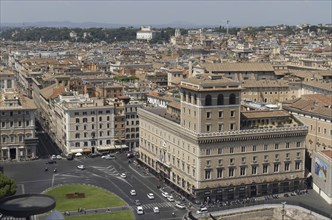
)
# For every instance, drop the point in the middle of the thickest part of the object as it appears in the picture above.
(99, 172)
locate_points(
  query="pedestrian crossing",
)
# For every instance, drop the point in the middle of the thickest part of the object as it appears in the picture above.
(159, 205)
(110, 170)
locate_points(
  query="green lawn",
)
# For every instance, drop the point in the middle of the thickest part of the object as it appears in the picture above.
(94, 198)
(123, 215)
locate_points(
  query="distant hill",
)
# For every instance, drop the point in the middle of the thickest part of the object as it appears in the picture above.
(69, 24)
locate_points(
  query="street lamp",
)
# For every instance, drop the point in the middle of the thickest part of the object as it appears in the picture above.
(283, 212)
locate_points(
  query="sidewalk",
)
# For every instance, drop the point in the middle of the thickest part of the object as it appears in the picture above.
(84, 211)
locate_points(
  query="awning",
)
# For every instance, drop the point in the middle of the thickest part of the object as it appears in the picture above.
(121, 146)
(107, 147)
(21, 147)
(86, 150)
(4, 148)
(76, 150)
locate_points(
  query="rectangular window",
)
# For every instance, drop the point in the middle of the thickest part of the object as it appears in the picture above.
(221, 127)
(220, 161)
(208, 163)
(242, 171)
(231, 150)
(207, 151)
(231, 171)
(297, 165)
(254, 170)
(219, 150)
(221, 114)
(208, 128)
(276, 167)
(265, 168)
(243, 149)
(207, 174)
(265, 146)
(298, 144)
(287, 145)
(286, 166)
(254, 148)
(208, 115)
(232, 113)
(276, 146)
(232, 126)
(219, 173)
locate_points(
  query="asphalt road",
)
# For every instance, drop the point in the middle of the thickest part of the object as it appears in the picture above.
(31, 178)
(45, 145)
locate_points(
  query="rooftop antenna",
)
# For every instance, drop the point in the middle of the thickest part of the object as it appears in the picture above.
(227, 22)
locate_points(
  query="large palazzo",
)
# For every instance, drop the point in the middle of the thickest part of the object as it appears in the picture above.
(210, 150)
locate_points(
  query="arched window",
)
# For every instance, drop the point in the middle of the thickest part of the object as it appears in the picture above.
(220, 99)
(189, 97)
(232, 99)
(208, 100)
(195, 99)
(85, 120)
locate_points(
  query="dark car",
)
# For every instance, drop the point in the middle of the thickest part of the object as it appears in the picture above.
(130, 155)
(70, 156)
(51, 162)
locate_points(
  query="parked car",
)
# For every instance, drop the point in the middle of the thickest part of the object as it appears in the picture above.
(140, 210)
(51, 162)
(156, 209)
(180, 205)
(53, 157)
(81, 167)
(150, 195)
(202, 210)
(70, 156)
(164, 194)
(170, 198)
(123, 175)
(133, 192)
(58, 157)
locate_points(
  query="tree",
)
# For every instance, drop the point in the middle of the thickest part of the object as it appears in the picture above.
(7, 186)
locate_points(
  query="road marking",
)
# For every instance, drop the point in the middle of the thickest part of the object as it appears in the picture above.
(22, 188)
(133, 169)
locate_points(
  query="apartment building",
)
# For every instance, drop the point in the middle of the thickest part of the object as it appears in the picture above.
(213, 152)
(17, 128)
(315, 111)
(268, 91)
(82, 124)
(132, 124)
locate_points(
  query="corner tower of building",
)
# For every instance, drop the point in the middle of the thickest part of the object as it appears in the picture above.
(210, 104)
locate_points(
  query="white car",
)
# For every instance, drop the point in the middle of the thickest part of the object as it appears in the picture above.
(140, 210)
(170, 198)
(164, 194)
(150, 195)
(202, 210)
(108, 157)
(133, 192)
(156, 209)
(81, 167)
(58, 157)
(123, 175)
(53, 157)
(180, 205)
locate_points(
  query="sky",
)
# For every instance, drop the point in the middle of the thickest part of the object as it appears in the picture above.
(137, 12)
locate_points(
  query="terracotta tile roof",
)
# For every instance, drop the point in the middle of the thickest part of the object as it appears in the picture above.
(264, 114)
(238, 67)
(175, 104)
(52, 91)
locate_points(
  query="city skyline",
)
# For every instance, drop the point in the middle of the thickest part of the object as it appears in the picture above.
(239, 13)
